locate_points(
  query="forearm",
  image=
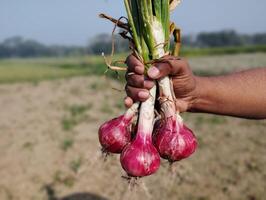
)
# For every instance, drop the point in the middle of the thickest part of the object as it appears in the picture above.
(241, 94)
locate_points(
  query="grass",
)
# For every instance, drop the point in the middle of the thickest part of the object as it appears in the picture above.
(67, 144)
(222, 50)
(96, 86)
(106, 108)
(38, 69)
(75, 165)
(21, 71)
(68, 123)
(61, 178)
(120, 105)
(76, 110)
(75, 115)
(28, 145)
(212, 120)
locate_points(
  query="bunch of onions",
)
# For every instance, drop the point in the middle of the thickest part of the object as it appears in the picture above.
(149, 29)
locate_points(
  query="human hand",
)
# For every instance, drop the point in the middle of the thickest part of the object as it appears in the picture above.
(184, 82)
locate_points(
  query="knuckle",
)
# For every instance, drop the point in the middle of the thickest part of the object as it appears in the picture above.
(129, 75)
(136, 81)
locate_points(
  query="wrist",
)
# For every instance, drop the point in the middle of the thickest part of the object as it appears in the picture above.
(200, 96)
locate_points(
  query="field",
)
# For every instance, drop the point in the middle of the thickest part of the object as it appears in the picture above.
(38, 69)
(223, 50)
(51, 109)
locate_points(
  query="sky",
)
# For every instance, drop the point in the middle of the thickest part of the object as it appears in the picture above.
(76, 22)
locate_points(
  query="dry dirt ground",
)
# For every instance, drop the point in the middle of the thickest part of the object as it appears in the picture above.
(49, 149)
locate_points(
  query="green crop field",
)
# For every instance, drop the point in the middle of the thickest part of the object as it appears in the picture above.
(17, 70)
(37, 69)
(223, 50)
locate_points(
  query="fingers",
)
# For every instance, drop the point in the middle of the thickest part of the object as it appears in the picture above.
(138, 86)
(135, 80)
(139, 81)
(137, 94)
(128, 102)
(148, 84)
(135, 65)
(171, 67)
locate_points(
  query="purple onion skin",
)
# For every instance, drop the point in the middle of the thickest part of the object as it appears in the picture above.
(114, 135)
(140, 158)
(174, 141)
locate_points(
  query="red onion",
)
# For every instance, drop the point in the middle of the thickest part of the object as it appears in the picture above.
(140, 158)
(173, 140)
(114, 135)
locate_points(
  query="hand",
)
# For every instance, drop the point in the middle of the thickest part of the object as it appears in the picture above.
(184, 82)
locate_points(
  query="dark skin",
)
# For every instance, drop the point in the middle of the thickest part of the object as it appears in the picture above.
(241, 94)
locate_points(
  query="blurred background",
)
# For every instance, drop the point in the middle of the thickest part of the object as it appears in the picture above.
(55, 92)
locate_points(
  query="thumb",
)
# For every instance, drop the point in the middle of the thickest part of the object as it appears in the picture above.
(162, 69)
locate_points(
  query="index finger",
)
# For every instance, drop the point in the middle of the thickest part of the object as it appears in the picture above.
(135, 65)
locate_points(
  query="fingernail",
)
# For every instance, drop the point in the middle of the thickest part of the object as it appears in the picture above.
(153, 72)
(148, 84)
(127, 102)
(143, 95)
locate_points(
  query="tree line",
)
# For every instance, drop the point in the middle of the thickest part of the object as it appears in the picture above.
(225, 38)
(23, 48)
(20, 47)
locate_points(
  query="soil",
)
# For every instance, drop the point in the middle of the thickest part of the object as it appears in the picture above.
(49, 149)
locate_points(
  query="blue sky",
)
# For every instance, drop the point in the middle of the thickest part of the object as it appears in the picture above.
(76, 21)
